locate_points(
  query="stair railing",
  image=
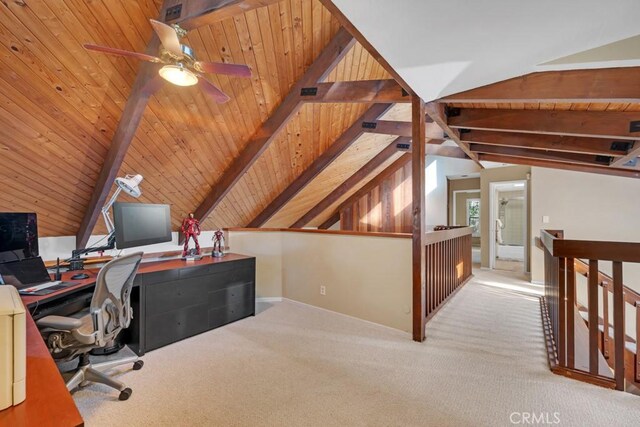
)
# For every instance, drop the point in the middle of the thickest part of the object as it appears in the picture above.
(559, 308)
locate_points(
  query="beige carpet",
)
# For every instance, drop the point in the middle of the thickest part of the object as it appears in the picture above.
(292, 365)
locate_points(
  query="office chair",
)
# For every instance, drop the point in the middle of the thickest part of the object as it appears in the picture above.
(97, 326)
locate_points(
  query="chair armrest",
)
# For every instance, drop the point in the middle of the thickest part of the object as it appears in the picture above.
(60, 322)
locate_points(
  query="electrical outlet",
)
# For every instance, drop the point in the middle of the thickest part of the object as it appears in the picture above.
(323, 290)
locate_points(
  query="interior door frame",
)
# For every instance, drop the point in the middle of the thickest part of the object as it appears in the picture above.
(454, 210)
(493, 214)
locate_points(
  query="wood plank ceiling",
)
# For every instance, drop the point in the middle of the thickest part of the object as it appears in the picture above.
(61, 105)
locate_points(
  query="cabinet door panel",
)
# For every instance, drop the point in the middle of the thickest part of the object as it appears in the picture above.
(166, 328)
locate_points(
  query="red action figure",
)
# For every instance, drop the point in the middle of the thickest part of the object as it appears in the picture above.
(190, 228)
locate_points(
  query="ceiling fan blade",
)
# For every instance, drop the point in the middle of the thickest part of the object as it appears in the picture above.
(236, 70)
(168, 37)
(121, 52)
(219, 96)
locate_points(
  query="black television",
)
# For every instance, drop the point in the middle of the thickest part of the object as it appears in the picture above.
(18, 236)
(139, 224)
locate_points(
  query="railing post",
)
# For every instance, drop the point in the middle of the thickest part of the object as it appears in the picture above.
(618, 324)
(637, 341)
(593, 316)
(605, 319)
(571, 306)
(562, 319)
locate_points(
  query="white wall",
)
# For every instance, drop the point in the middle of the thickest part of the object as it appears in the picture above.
(367, 277)
(438, 168)
(586, 206)
(53, 247)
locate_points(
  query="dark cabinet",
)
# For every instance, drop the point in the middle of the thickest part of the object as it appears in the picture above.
(179, 303)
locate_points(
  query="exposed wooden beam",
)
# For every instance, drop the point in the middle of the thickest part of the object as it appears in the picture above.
(600, 85)
(605, 170)
(418, 228)
(343, 142)
(355, 91)
(569, 144)
(400, 128)
(437, 113)
(146, 83)
(191, 14)
(258, 143)
(386, 173)
(330, 221)
(634, 153)
(350, 182)
(598, 124)
(346, 23)
(588, 159)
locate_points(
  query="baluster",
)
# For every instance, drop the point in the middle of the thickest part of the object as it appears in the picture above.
(618, 324)
(593, 316)
(562, 321)
(637, 341)
(605, 319)
(571, 305)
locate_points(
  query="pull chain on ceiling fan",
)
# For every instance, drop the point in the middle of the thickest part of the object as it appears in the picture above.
(181, 67)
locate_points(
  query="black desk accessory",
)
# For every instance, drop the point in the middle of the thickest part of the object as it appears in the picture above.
(58, 275)
(80, 276)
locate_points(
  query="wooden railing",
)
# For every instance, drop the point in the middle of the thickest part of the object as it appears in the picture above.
(448, 265)
(585, 349)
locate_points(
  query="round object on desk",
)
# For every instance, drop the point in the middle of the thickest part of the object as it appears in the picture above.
(80, 276)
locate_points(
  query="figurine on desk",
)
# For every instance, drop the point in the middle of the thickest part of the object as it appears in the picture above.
(218, 244)
(191, 229)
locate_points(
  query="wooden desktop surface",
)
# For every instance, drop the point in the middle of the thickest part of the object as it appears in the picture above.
(48, 402)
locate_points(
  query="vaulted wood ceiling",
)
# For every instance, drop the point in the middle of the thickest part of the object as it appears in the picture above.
(61, 106)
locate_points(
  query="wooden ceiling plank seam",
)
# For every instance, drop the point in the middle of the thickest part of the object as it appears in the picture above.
(316, 17)
(44, 125)
(400, 162)
(278, 43)
(560, 165)
(330, 56)
(78, 102)
(250, 59)
(316, 167)
(298, 38)
(602, 85)
(537, 154)
(48, 225)
(307, 28)
(273, 69)
(572, 123)
(595, 146)
(286, 27)
(349, 183)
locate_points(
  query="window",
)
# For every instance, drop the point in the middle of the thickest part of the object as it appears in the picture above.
(473, 216)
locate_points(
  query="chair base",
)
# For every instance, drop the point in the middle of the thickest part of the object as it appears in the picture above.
(88, 372)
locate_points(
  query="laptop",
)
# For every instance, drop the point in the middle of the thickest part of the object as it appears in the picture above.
(30, 277)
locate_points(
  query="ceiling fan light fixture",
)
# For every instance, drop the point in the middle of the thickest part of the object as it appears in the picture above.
(178, 75)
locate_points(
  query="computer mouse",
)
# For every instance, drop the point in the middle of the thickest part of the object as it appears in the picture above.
(80, 276)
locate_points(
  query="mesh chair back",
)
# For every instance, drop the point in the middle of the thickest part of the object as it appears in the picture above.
(113, 291)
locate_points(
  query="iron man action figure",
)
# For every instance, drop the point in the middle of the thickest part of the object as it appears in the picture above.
(190, 228)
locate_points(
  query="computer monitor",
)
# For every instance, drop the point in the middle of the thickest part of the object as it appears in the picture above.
(18, 236)
(139, 224)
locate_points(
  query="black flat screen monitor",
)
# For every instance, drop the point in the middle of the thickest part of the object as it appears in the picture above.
(18, 236)
(139, 224)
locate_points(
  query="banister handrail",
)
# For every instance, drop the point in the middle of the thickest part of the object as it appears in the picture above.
(563, 260)
(589, 249)
(443, 235)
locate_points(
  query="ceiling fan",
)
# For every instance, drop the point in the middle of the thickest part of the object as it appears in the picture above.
(180, 65)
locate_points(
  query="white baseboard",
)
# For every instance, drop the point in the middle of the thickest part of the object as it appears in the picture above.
(537, 282)
(269, 299)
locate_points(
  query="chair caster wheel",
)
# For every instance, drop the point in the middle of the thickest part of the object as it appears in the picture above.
(125, 394)
(137, 365)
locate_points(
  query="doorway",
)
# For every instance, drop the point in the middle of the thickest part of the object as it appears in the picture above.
(508, 226)
(466, 212)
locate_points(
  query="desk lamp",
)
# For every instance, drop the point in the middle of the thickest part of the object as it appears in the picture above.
(130, 184)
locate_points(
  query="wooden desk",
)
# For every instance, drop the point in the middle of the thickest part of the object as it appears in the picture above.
(48, 402)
